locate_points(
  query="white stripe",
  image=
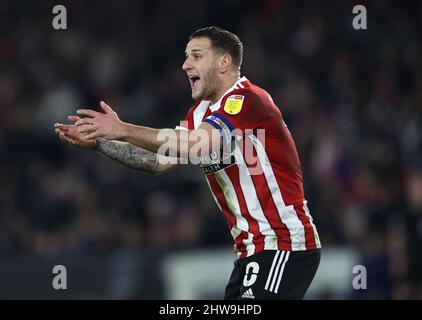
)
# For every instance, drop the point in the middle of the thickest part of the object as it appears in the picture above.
(213, 195)
(235, 232)
(272, 269)
(231, 199)
(250, 195)
(287, 213)
(217, 105)
(281, 271)
(316, 236)
(276, 271)
(250, 246)
(233, 205)
(199, 113)
(271, 243)
(296, 228)
(241, 85)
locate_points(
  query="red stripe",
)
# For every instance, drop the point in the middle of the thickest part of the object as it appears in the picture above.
(233, 173)
(309, 231)
(230, 217)
(240, 245)
(266, 199)
(216, 190)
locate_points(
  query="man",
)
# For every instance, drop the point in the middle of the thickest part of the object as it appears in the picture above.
(276, 242)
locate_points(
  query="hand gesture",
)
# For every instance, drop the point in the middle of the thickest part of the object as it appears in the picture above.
(100, 125)
(70, 135)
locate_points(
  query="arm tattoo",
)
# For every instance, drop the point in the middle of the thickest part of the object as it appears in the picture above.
(128, 154)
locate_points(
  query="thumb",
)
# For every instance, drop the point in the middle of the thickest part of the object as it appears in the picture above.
(106, 107)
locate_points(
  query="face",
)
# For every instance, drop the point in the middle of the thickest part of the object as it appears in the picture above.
(201, 68)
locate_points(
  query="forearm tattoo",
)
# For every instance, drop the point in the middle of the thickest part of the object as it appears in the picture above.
(128, 154)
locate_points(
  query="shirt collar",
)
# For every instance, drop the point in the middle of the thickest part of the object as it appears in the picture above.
(216, 105)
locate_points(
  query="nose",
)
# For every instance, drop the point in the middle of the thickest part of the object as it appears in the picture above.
(186, 65)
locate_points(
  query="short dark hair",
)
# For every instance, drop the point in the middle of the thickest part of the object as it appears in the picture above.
(223, 40)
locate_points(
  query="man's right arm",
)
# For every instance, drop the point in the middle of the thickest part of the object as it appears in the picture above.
(123, 152)
(133, 156)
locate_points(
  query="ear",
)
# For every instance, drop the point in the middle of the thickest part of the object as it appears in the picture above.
(225, 63)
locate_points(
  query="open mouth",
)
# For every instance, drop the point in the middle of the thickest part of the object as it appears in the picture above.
(193, 81)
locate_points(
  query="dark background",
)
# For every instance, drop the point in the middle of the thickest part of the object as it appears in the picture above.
(351, 98)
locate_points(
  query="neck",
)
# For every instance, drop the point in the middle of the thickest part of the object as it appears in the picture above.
(226, 85)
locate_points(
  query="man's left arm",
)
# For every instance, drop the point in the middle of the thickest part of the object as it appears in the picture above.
(168, 142)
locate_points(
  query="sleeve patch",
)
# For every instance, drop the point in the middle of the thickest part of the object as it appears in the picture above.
(234, 104)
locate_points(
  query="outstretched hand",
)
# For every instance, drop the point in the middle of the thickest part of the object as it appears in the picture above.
(69, 134)
(100, 125)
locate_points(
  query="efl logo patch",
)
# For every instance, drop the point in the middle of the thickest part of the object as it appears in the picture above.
(234, 104)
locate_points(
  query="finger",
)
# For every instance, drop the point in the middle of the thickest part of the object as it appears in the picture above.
(106, 107)
(73, 118)
(63, 127)
(92, 135)
(87, 112)
(64, 138)
(58, 125)
(59, 132)
(70, 140)
(85, 129)
(67, 136)
(84, 121)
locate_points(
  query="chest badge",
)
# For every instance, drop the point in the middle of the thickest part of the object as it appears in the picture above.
(234, 104)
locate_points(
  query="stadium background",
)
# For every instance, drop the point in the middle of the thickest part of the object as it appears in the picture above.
(352, 100)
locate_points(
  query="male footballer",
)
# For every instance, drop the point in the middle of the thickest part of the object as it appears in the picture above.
(275, 239)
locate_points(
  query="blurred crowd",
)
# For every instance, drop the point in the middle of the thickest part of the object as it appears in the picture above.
(352, 100)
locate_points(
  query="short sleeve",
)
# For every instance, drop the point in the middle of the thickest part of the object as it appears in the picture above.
(187, 122)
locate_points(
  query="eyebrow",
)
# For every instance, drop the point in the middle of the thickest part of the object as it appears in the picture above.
(193, 51)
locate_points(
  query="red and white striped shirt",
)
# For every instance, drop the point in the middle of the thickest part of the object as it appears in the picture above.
(261, 196)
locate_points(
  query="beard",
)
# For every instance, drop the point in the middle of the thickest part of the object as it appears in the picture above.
(210, 85)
